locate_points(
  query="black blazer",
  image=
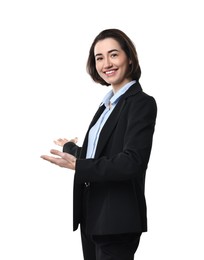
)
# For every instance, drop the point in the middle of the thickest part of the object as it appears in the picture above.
(115, 199)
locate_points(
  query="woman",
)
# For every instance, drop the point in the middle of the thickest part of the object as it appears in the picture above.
(110, 167)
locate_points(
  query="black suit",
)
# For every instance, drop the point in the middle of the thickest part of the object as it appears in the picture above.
(114, 199)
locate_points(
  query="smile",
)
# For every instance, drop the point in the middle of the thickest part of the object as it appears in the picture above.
(110, 72)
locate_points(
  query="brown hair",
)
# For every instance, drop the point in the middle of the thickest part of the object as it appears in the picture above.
(128, 47)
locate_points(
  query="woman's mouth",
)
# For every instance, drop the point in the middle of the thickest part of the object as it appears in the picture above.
(110, 72)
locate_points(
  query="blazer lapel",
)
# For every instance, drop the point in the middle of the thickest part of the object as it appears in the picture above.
(96, 116)
(94, 120)
(113, 118)
(108, 127)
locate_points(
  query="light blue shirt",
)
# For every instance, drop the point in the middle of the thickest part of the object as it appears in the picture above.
(110, 101)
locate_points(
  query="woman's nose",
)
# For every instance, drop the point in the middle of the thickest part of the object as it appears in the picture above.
(107, 63)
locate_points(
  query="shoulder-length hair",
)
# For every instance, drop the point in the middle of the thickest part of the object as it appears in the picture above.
(128, 47)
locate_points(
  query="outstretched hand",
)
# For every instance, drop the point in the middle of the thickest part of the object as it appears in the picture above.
(63, 141)
(64, 160)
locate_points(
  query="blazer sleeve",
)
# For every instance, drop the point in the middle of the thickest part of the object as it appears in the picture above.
(72, 149)
(131, 162)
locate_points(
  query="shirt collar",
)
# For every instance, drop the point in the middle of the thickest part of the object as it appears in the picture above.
(110, 97)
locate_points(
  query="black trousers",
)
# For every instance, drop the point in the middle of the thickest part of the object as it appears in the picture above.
(109, 247)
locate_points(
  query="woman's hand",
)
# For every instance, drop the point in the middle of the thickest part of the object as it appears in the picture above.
(64, 160)
(62, 141)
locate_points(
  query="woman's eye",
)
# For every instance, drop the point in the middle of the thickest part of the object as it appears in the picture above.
(113, 55)
(99, 58)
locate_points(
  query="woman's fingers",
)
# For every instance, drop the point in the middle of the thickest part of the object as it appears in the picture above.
(63, 141)
(63, 159)
(74, 140)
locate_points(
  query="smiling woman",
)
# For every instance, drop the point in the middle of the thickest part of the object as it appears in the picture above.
(122, 43)
(112, 63)
(110, 167)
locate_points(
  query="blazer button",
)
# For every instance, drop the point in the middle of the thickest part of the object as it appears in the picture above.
(87, 184)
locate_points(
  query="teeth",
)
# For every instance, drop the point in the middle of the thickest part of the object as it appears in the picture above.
(109, 72)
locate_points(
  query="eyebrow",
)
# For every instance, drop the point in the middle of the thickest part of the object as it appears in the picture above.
(99, 54)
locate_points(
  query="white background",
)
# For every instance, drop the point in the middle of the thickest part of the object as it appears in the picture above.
(45, 93)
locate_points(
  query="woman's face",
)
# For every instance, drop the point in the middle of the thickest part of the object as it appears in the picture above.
(112, 62)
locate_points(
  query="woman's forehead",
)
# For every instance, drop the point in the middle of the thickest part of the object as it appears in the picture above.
(106, 45)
